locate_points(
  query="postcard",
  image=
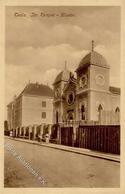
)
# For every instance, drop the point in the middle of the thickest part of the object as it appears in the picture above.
(62, 83)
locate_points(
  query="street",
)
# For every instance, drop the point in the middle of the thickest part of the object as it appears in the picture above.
(59, 168)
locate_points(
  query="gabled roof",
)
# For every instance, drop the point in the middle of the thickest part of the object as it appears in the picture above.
(38, 90)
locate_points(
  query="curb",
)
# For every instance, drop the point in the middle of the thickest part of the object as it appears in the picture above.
(73, 150)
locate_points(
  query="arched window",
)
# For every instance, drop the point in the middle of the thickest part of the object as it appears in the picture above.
(117, 115)
(100, 108)
(57, 117)
(82, 112)
(117, 109)
(70, 116)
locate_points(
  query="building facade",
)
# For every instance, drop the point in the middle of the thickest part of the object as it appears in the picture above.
(34, 106)
(88, 97)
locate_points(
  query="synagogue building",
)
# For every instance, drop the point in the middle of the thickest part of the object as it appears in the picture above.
(88, 98)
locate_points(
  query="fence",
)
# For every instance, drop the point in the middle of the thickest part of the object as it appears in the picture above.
(104, 138)
(100, 138)
(67, 136)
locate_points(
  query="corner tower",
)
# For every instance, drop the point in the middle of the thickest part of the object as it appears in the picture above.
(92, 85)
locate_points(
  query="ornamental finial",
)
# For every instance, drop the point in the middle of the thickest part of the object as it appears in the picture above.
(92, 45)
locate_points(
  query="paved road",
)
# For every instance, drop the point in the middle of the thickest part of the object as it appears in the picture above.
(59, 168)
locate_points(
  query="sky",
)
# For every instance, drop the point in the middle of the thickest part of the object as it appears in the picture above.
(40, 39)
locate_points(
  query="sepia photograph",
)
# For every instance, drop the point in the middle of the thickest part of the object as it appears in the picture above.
(62, 96)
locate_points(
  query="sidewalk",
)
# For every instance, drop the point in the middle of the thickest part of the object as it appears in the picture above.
(106, 156)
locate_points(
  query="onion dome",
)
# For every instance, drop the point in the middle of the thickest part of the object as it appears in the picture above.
(93, 58)
(63, 76)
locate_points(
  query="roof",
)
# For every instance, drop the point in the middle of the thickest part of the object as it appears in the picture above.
(114, 90)
(93, 58)
(38, 89)
(62, 76)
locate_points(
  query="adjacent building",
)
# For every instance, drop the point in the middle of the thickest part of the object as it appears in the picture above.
(34, 106)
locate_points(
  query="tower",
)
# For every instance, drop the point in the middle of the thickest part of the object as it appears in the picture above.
(92, 85)
(59, 84)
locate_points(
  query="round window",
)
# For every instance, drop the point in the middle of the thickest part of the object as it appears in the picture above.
(70, 98)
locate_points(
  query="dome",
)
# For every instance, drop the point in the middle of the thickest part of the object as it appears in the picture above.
(93, 58)
(63, 76)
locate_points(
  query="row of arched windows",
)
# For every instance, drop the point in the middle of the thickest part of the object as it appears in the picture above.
(83, 112)
(101, 108)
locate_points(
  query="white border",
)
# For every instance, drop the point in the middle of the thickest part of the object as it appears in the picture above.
(121, 3)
